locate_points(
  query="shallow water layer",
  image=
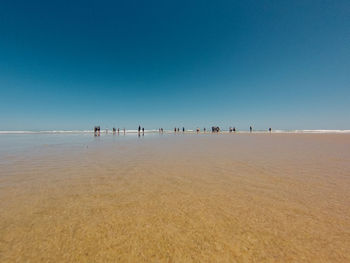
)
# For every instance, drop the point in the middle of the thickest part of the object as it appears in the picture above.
(175, 198)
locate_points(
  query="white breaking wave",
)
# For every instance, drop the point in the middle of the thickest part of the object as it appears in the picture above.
(311, 131)
(167, 131)
(71, 132)
(42, 132)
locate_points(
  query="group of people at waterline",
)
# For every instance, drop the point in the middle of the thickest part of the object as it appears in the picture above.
(214, 129)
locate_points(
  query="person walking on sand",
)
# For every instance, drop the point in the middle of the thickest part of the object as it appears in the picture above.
(143, 131)
(250, 129)
(234, 129)
(139, 129)
(97, 130)
(183, 129)
(270, 129)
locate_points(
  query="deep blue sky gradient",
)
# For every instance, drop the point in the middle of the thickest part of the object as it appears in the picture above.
(73, 64)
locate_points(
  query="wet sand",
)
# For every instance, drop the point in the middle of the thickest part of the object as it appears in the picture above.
(175, 198)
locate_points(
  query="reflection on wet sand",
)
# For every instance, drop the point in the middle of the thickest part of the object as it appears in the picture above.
(202, 198)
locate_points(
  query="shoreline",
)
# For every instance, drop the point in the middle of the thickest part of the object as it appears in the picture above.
(180, 132)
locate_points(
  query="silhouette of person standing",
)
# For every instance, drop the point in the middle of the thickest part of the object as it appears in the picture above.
(250, 128)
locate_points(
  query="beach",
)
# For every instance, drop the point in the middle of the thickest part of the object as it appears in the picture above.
(256, 197)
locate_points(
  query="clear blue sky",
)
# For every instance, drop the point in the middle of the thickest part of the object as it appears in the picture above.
(73, 64)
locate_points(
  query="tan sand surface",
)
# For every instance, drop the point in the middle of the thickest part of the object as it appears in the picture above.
(178, 198)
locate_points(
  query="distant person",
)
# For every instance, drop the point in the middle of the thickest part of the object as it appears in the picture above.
(139, 129)
(175, 129)
(143, 130)
(230, 129)
(234, 129)
(124, 131)
(204, 129)
(250, 129)
(183, 129)
(178, 129)
(114, 130)
(97, 130)
(118, 131)
(197, 130)
(270, 129)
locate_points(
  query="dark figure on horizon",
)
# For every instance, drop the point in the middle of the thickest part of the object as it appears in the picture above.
(175, 129)
(143, 131)
(234, 129)
(230, 129)
(204, 129)
(183, 129)
(215, 129)
(198, 130)
(118, 131)
(270, 129)
(97, 130)
(178, 129)
(139, 129)
(114, 130)
(124, 131)
(250, 129)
